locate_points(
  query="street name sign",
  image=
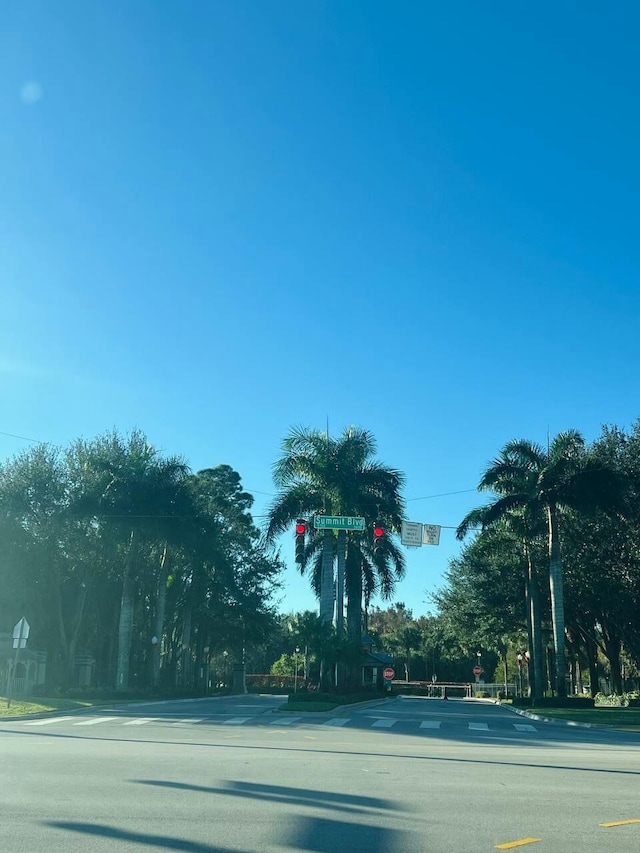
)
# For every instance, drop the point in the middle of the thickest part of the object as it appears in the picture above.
(338, 522)
(411, 534)
(430, 534)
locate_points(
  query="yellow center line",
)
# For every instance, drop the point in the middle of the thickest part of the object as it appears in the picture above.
(509, 844)
(621, 822)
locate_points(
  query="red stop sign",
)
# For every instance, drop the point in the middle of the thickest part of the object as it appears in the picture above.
(476, 670)
(388, 673)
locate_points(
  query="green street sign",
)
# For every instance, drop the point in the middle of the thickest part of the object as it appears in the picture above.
(338, 522)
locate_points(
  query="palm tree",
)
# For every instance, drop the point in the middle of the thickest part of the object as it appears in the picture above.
(318, 474)
(534, 482)
(135, 491)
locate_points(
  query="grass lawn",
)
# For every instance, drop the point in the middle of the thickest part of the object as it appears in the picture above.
(310, 706)
(24, 707)
(627, 718)
(328, 705)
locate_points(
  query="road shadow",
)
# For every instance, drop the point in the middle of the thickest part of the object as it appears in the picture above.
(369, 830)
(350, 803)
(164, 842)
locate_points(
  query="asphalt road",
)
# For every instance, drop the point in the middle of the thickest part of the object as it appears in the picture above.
(408, 775)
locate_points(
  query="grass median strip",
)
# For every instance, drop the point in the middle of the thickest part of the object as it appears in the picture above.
(617, 717)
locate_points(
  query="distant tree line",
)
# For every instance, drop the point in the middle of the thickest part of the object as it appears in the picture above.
(120, 554)
(554, 569)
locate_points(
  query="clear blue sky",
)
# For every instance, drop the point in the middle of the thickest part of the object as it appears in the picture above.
(220, 219)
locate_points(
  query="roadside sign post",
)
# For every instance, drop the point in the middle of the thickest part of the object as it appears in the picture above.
(411, 534)
(477, 671)
(431, 534)
(339, 522)
(20, 637)
(388, 674)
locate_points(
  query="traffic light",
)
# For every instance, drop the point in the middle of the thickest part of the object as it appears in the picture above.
(301, 530)
(378, 539)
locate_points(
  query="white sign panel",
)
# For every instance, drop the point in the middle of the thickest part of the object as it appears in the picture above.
(411, 534)
(21, 634)
(431, 534)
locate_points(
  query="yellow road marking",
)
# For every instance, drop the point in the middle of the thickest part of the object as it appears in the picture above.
(621, 822)
(519, 843)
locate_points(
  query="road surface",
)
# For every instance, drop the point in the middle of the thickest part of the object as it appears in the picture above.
(407, 775)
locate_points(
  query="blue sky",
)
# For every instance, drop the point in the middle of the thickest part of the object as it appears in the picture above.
(221, 219)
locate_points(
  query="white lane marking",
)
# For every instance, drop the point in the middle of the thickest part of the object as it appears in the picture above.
(141, 722)
(236, 721)
(383, 724)
(431, 724)
(286, 721)
(479, 727)
(188, 721)
(523, 727)
(337, 721)
(48, 721)
(95, 721)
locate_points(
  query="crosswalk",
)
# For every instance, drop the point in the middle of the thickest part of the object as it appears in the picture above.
(384, 723)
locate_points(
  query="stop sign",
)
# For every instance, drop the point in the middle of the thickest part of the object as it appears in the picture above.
(388, 673)
(476, 670)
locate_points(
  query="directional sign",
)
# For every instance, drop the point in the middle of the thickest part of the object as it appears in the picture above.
(21, 634)
(411, 534)
(388, 673)
(338, 522)
(431, 534)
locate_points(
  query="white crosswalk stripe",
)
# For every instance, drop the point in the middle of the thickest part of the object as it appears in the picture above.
(141, 722)
(524, 727)
(431, 724)
(285, 721)
(236, 721)
(478, 727)
(49, 721)
(337, 721)
(187, 722)
(383, 724)
(95, 721)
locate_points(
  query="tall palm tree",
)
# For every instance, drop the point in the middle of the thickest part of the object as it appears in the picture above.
(531, 482)
(319, 474)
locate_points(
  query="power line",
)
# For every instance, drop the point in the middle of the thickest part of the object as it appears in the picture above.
(441, 495)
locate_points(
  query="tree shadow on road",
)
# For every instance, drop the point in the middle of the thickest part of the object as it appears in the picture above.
(351, 803)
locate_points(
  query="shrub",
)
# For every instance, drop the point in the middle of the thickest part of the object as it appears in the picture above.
(618, 700)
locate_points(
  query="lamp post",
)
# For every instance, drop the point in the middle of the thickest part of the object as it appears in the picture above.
(295, 677)
(519, 659)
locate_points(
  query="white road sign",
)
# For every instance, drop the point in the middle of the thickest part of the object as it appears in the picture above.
(411, 533)
(21, 634)
(431, 534)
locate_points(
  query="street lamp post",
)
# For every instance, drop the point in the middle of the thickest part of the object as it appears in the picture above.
(295, 677)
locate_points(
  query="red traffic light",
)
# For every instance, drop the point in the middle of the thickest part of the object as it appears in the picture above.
(301, 529)
(378, 531)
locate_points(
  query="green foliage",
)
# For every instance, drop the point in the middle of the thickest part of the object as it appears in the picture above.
(110, 542)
